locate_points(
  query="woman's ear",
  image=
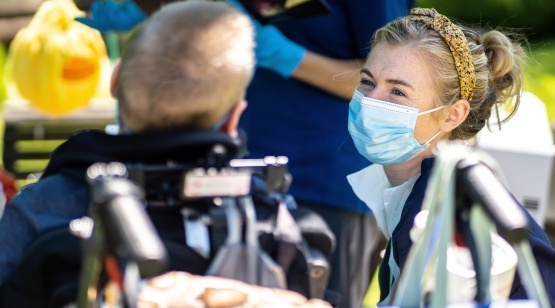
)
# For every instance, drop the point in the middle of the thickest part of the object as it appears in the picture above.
(456, 115)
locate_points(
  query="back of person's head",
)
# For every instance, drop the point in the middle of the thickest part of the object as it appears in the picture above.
(186, 67)
(496, 62)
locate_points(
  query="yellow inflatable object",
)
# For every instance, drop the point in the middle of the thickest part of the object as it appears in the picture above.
(55, 60)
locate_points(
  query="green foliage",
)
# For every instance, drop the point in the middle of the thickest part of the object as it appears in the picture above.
(540, 74)
(534, 18)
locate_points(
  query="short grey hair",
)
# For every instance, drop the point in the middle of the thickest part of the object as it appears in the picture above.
(185, 67)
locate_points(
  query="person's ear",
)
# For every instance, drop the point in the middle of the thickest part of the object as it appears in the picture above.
(114, 80)
(456, 115)
(232, 123)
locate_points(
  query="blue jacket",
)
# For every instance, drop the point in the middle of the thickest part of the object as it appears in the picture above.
(543, 252)
(61, 194)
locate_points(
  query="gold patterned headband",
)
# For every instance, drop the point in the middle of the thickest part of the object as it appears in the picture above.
(456, 41)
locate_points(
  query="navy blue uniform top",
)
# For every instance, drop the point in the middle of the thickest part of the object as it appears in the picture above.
(291, 118)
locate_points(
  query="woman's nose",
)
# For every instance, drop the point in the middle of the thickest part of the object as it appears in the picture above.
(375, 94)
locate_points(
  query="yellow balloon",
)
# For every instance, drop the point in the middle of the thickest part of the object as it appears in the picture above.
(57, 61)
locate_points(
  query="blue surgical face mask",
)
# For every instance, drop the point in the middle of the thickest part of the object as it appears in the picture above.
(383, 132)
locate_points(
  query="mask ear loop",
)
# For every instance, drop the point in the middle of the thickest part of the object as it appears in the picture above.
(430, 111)
(433, 137)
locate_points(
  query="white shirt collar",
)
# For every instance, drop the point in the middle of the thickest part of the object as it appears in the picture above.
(373, 188)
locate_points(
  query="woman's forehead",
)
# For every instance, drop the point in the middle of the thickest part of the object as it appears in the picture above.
(399, 62)
(386, 58)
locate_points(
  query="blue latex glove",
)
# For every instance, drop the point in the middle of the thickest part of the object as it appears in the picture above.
(113, 15)
(273, 50)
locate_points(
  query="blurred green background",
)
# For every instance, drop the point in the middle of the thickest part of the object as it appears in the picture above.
(535, 20)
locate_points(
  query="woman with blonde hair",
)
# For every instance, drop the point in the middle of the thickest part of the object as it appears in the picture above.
(426, 80)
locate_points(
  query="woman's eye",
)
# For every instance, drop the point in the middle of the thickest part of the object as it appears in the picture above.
(366, 82)
(397, 92)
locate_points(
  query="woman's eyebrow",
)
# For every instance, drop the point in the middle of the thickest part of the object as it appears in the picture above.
(392, 81)
(366, 71)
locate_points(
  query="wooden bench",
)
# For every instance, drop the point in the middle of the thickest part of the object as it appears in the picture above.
(30, 135)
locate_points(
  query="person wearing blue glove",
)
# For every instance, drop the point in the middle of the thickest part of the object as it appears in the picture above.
(307, 70)
(113, 15)
(273, 50)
